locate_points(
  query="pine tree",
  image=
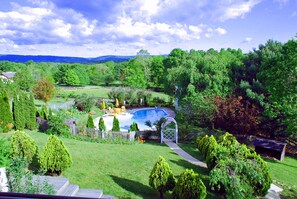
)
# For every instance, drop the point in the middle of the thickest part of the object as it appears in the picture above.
(55, 157)
(101, 125)
(31, 116)
(90, 122)
(6, 119)
(115, 124)
(19, 111)
(43, 112)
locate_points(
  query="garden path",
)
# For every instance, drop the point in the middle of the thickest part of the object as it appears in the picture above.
(185, 155)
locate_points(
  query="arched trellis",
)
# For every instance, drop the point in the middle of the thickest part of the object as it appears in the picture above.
(169, 133)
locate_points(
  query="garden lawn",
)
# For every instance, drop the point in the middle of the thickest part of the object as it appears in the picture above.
(283, 173)
(119, 170)
(98, 91)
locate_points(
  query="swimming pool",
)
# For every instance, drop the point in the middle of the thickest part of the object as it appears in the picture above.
(140, 116)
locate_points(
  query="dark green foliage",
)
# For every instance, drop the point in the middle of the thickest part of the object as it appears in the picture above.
(115, 124)
(6, 119)
(23, 146)
(4, 153)
(134, 127)
(90, 122)
(84, 102)
(101, 125)
(189, 186)
(57, 125)
(161, 177)
(55, 158)
(20, 180)
(24, 79)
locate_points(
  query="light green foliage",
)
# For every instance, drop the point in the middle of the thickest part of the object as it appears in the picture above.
(227, 140)
(90, 122)
(134, 75)
(101, 125)
(115, 124)
(239, 172)
(4, 153)
(23, 146)
(43, 112)
(55, 157)
(31, 113)
(161, 177)
(157, 72)
(6, 119)
(71, 78)
(189, 186)
(24, 79)
(20, 180)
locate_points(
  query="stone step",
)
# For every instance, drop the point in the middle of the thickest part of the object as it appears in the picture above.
(70, 190)
(59, 183)
(91, 193)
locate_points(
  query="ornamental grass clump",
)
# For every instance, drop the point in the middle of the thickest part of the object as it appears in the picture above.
(23, 146)
(55, 157)
(189, 186)
(161, 177)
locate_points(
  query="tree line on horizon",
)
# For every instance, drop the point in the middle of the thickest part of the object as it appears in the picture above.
(256, 92)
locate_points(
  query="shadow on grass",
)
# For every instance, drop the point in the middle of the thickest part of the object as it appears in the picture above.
(134, 187)
(279, 162)
(186, 165)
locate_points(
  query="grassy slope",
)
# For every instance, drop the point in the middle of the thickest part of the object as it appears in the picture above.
(283, 173)
(120, 170)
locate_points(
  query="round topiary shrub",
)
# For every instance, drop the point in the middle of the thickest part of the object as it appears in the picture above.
(189, 185)
(55, 158)
(161, 177)
(23, 146)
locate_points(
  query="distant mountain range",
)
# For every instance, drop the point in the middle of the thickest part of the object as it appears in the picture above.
(63, 59)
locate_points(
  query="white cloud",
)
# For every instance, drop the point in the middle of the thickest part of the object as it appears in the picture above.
(247, 40)
(221, 31)
(237, 9)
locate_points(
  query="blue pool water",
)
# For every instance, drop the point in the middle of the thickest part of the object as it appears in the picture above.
(138, 116)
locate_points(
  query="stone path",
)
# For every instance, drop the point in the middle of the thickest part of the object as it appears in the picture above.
(185, 155)
(273, 192)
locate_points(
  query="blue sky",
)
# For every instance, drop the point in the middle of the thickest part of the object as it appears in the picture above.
(92, 28)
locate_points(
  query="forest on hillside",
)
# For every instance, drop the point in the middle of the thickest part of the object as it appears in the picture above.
(242, 93)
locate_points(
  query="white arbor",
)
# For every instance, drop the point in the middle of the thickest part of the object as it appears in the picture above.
(169, 130)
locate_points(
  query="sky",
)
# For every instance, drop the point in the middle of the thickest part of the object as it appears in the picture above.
(92, 28)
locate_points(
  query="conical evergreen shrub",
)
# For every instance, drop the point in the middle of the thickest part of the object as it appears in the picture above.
(55, 158)
(90, 122)
(30, 115)
(161, 177)
(101, 125)
(6, 119)
(115, 124)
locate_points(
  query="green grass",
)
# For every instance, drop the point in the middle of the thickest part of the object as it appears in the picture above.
(120, 170)
(283, 173)
(98, 91)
